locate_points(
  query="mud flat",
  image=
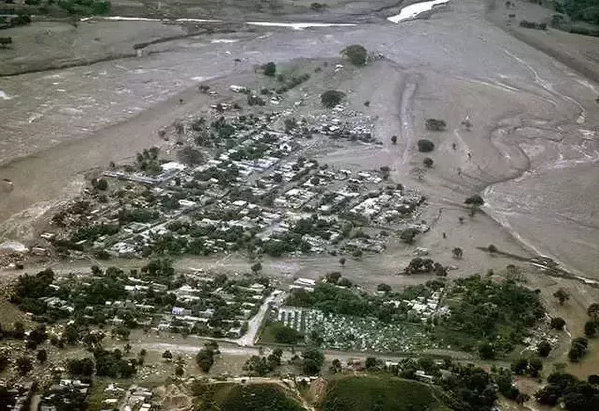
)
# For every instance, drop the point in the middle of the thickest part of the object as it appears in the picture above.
(533, 129)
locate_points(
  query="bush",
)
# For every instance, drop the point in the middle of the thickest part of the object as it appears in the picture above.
(318, 6)
(433, 124)
(533, 25)
(331, 98)
(270, 69)
(425, 146)
(356, 54)
(428, 162)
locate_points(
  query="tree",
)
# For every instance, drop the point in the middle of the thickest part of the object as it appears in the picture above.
(520, 366)
(285, 335)
(476, 200)
(408, 235)
(492, 248)
(394, 139)
(384, 288)
(433, 124)
(83, 367)
(270, 69)
(256, 267)
(127, 348)
(428, 162)
(357, 253)
(562, 296)
(190, 156)
(535, 366)
(102, 184)
(167, 355)
(333, 277)
(590, 329)
(425, 146)
(205, 358)
(179, 371)
(558, 323)
(356, 54)
(486, 351)
(344, 282)
(331, 98)
(342, 261)
(578, 349)
(458, 253)
(544, 348)
(42, 356)
(593, 311)
(142, 352)
(370, 363)
(24, 365)
(312, 361)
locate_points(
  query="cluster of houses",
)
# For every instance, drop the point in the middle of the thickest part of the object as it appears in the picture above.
(17, 396)
(423, 308)
(193, 308)
(255, 183)
(67, 392)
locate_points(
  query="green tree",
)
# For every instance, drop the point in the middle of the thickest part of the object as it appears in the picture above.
(270, 69)
(257, 267)
(312, 361)
(167, 355)
(331, 98)
(371, 363)
(558, 323)
(544, 348)
(42, 356)
(428, 162)
(356, 54)
(486, 351)
(342, 261)
(476, 200)
(561, 295)
(24, 365)
(593, 311)
(425, 146)
(394, 139)
(590, 329)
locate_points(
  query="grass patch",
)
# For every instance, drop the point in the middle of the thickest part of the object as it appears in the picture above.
(250, 397)
(381, 394)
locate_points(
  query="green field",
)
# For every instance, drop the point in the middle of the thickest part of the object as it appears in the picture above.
(250, 397)
(374, 393)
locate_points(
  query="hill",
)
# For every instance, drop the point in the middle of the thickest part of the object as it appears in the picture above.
(374, 393)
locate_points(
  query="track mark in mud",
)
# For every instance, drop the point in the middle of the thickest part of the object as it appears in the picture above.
(405, 115)
(549, 87)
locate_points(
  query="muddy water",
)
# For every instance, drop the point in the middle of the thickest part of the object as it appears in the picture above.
(62, 116)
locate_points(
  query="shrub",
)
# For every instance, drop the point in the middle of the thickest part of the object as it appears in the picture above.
(270, 69)
(425, 146)
(434, 124)
(356, 54)
(318, 6)
(331, 98)
(428, 162)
